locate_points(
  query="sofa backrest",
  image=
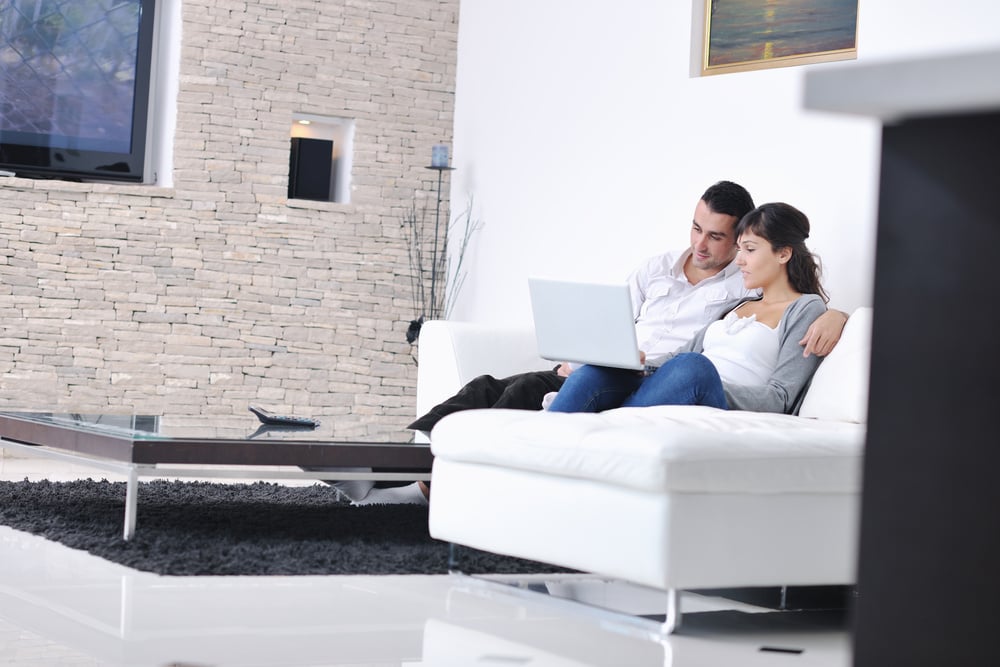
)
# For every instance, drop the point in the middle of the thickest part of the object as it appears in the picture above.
(839, 389)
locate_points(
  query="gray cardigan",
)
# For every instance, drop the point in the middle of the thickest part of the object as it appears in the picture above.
(786, 387)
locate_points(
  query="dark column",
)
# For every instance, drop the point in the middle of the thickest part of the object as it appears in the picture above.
(929, 569)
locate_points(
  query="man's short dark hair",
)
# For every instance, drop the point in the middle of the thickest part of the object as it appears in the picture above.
(728, 198)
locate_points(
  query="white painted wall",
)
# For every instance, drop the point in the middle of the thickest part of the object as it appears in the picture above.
(586, 139)
(162, 128)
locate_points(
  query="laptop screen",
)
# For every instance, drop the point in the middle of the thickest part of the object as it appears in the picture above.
(587, 323)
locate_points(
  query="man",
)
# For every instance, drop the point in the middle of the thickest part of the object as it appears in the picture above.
(673, 296)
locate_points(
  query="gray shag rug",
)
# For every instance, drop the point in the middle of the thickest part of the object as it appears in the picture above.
(201, 528)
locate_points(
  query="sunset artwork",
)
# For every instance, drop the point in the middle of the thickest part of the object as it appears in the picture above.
(754, 34)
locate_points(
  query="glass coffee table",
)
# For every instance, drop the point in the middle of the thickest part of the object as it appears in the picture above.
(207, 446)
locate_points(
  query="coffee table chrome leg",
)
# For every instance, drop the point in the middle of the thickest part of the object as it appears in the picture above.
(131, 501)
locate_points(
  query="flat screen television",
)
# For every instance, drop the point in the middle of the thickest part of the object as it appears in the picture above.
(74, 88)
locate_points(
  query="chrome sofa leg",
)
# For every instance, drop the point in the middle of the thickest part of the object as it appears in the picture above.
(673, 618)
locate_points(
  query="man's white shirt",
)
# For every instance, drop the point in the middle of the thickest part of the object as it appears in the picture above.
(669, 310)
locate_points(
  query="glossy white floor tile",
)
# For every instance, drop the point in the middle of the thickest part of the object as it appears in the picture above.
(60, 606)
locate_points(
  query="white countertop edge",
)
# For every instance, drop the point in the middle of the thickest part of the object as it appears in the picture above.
(893, 90)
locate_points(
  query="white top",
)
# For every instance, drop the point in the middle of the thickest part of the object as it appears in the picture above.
(743, 350)
(669, 310)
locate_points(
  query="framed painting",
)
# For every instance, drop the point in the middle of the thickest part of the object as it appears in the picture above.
(745, 35)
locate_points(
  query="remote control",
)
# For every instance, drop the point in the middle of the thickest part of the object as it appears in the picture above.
(281, 420)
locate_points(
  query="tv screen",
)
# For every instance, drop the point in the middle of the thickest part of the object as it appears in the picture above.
(74, 88)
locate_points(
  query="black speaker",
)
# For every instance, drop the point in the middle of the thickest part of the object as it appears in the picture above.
(310, 169)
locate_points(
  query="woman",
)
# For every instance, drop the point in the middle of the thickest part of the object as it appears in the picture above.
(751, 359)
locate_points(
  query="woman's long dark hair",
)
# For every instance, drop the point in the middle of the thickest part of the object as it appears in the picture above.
(784, 226)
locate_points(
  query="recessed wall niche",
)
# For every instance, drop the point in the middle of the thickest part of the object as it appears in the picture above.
(319, 164)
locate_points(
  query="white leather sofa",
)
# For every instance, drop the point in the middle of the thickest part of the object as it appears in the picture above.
(672, 497)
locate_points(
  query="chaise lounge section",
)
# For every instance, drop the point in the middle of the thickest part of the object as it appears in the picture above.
(671, 497)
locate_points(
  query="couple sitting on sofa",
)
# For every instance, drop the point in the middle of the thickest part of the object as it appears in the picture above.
(748, 264)
(760, 357)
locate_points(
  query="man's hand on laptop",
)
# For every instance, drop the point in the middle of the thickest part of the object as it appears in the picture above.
(564, 369)
(647, 368)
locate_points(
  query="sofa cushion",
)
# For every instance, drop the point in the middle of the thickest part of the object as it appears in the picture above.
(839, 389)
(688, 449)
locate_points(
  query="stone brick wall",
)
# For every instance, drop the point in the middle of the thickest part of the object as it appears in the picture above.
(219, 291)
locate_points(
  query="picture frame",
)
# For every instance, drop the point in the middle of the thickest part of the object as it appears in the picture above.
(743, 35)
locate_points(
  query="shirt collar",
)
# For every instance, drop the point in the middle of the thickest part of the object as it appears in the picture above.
(678, 269)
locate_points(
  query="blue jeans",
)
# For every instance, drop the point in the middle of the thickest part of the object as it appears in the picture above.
(687, 379)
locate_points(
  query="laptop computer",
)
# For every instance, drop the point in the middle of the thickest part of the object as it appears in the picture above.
(586, 323)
